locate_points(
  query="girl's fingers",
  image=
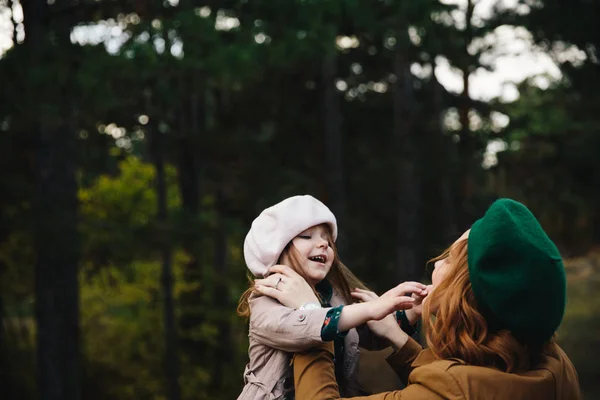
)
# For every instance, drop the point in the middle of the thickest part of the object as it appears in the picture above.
(419, 297)
(412, 287)
(417, 285)
(404, 302)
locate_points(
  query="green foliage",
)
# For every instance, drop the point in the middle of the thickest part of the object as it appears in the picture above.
(579, 331)
(248, 104)
(118, 213)
(123, 330)
(121, 300)
(552, 140)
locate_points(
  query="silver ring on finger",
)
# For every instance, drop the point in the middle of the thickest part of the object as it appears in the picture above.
(278, 280)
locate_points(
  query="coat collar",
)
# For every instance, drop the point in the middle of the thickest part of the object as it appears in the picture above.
(427, 357)
(325, 290)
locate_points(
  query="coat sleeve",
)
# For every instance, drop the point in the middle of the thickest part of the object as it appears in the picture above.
(568, 384)
(314, 379)
(370, 341)
(284, 328)
(401, 361)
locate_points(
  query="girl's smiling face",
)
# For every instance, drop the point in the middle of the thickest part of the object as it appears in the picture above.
(315, 252)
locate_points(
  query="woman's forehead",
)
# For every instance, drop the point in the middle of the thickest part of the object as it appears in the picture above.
(464, 236)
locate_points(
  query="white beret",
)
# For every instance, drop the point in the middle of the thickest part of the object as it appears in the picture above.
(276, 226)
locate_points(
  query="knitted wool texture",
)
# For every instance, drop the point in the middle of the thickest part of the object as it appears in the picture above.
(276, 226)
(516, 272)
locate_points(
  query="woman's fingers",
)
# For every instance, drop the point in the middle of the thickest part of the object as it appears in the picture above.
(284, 270)
(268, 291)
(362, 296)
(271, 280)
(366, 291)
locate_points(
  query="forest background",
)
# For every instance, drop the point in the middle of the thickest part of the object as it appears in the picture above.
(139, 138)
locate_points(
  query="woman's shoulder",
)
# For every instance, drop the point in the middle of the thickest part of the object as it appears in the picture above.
(454, 377)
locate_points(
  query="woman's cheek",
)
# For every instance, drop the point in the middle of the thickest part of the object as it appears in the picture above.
(434, 277)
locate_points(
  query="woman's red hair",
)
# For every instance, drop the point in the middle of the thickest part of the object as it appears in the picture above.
(457, 329)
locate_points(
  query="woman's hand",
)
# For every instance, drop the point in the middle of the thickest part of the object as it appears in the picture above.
(414, 314)
(286, 286)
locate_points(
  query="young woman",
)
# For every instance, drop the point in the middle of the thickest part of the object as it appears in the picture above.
(299, 235)
(498, 297)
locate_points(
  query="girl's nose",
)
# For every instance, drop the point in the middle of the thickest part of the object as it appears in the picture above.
(323, 243)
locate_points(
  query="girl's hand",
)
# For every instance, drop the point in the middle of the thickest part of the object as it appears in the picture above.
(387, 327)
(397, 296)
(286, 286)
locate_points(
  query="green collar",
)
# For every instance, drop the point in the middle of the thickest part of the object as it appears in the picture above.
(325, 290)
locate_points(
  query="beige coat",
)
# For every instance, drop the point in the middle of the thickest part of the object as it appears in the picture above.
(554, 378)
(276, 332)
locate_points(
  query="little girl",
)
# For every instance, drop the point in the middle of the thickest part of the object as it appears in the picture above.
(300, 233)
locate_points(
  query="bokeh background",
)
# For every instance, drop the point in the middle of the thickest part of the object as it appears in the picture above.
(139, 138)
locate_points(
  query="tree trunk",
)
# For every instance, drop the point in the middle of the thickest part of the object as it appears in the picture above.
(223, 351)
(407, 223)
(55, 210)
(192, 127)
(465, 145)
(166, 277)
(57, 249)
(445, 164)
(332, 120)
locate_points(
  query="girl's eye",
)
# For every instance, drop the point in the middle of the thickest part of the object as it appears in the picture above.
(304, 236)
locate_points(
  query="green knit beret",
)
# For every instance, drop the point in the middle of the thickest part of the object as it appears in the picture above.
(516, 272)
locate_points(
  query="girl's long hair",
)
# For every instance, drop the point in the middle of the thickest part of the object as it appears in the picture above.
(342, 280)
(459, 330)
